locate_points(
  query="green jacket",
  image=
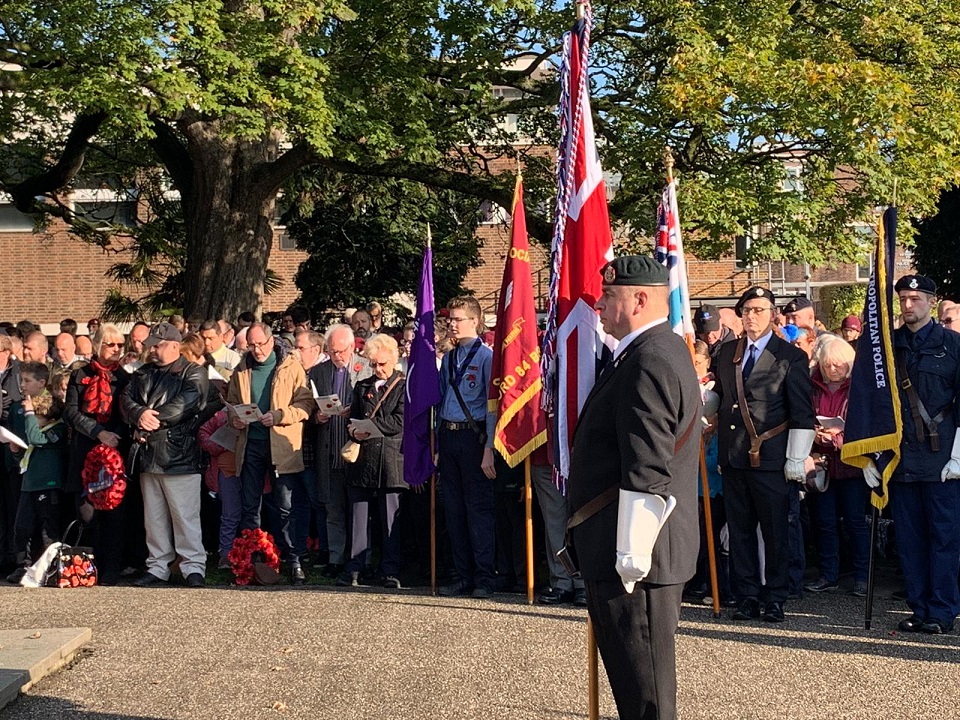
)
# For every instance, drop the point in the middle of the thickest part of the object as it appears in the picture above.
(44, 465)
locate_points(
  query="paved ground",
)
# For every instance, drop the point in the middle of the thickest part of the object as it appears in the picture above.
(323, 653)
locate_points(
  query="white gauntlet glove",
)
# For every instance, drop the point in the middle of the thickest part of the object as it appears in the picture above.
(951, 470)
(799, 444)
(871, 475)
(639, 519)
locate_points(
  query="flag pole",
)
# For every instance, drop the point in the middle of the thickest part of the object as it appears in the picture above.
(704, 480)
(868, 606)
(433, 481)
(528, 525)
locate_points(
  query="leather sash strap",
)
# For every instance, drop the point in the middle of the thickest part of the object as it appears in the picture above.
(921, 418)
(756, 441)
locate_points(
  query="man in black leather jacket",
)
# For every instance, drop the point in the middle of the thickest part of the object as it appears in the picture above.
(162, 403)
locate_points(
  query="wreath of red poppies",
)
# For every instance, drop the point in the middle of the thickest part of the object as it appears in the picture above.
(104, 477)
(250, 542)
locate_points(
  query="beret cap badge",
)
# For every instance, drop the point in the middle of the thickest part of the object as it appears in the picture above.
(914, 284)
(609, 274)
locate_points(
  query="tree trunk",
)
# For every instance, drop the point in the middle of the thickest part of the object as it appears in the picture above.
(229, 222)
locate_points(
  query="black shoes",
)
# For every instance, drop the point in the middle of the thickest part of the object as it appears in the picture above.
(332, 570)
(773, 612)
(936, 627)
(297, 576)
(457, 589)
(554, 596)
(348, 579)
(482, 592)
(822, 585)
(580, 598)
(16, 576)
(194, 580)
(911, 624)
(749, 609)
(150, 580)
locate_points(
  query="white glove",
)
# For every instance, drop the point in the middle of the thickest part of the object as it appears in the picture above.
(639, 519)
(951, 470)
(872, 475)
(799, 444)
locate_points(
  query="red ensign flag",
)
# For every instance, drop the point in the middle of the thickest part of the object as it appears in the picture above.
(515, 378)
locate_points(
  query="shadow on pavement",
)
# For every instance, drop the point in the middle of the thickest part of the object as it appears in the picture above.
(40, 707)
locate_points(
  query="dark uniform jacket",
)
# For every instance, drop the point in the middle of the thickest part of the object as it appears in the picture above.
(380, 464)
(178, 393)
(626, 434)
(778, 390)
(933, 367)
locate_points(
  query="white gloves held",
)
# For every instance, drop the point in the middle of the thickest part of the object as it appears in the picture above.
(632, 569)
(951, 470)
(640, 516)
(871, 475)
(799, 445)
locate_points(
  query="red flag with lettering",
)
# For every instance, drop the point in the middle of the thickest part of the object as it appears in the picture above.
(515, 377)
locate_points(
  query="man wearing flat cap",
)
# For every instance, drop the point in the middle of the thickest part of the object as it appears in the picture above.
(163, 402)
(766, 416)
(925, 487)
(706, 323)
(632, 491)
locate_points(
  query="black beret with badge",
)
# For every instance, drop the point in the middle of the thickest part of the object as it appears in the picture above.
(798, 303)
(752, 294)
(635, 270)
(921, 283)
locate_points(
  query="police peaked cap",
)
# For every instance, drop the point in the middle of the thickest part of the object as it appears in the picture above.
(916, 282)
(752, 294)
(798, 303)
(635, 270)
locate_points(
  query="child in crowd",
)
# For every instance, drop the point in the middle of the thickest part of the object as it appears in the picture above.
(42, 467)
(221, 478)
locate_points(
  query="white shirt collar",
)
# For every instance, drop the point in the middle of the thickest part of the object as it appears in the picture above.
(627, 339)
(760, 344)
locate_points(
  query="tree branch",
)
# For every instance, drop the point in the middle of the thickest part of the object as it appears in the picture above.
(174, 156)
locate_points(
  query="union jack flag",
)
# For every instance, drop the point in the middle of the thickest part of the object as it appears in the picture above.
(669, 252)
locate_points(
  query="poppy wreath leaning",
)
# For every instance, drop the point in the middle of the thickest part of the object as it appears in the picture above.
(244, 547)
(104, 477)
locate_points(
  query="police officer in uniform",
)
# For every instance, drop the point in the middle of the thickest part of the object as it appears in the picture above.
(635, 454)
(766, 415)
(925, 487)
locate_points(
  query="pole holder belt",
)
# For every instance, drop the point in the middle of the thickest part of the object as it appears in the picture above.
(756, 441)
(921, 418)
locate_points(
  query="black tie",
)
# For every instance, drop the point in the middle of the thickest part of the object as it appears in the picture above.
(750, 362)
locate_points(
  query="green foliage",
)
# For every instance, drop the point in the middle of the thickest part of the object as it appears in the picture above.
(937, 244)
(838, 301)
(366, 240)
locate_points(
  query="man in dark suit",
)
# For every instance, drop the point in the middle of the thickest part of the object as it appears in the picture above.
(766, 414)
(338, 375)
(636, 446)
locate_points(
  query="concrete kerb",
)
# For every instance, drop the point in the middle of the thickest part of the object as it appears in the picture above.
(28, 655)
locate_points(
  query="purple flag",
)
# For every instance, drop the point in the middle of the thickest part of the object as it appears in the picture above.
(423, 384)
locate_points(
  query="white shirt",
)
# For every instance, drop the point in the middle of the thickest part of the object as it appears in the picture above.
(226, 358)
(627, 339)
(760, 344)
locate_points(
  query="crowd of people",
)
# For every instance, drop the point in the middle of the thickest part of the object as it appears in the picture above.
(232, 426)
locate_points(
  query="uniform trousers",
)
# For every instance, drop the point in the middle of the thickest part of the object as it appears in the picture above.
(757, 497)
(171, 511)
(553, 507)
(927, 518)
(635, 635)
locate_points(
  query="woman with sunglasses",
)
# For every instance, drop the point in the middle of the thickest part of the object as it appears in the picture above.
(92, 412)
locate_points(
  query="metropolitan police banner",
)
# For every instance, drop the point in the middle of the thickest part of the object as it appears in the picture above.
(874, 425)
(515, 384)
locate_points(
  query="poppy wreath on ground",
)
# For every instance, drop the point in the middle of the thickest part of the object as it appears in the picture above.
(104, 477)
(244, 547)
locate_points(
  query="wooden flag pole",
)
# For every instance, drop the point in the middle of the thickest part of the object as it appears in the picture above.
(704, 481)
(528, 524)
(593, 674)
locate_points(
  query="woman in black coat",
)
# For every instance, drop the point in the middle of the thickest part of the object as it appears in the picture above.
(377, 476)
(92, 410)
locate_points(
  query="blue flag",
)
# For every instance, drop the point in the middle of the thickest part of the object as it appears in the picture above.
(423, 384)
(874, 431)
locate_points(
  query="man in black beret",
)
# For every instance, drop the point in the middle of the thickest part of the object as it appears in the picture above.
(632, 490)
(925, 487)
(766, 415)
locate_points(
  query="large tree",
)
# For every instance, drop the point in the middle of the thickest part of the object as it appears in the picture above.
(236, 97)
(938, 238)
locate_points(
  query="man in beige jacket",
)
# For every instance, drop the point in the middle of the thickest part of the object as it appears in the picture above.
(271, 439)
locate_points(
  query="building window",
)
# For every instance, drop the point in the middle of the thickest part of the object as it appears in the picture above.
(114, 213)
(792, 182)
(12, 220)
(866, 239)
(287, 242)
